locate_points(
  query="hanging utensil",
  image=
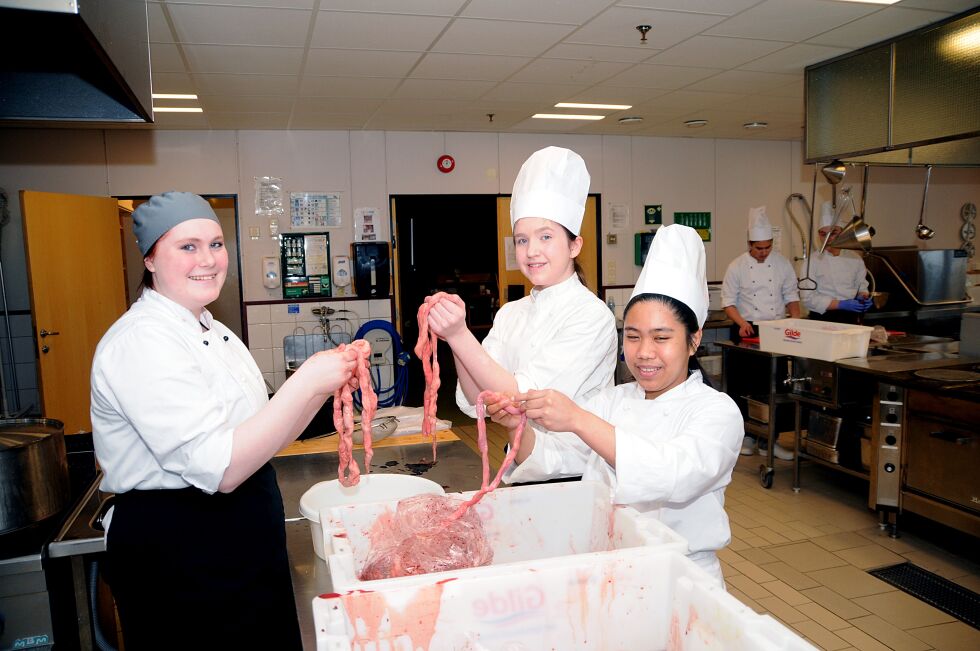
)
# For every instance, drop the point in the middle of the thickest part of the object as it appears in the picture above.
(922, 231)
(834, 173)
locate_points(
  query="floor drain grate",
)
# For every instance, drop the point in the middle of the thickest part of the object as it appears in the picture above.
(951, 598)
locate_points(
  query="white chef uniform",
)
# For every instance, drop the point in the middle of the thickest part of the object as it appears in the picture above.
(759, 290)
(838, 278)
(562, 337)
(166, 397)
(674, 454)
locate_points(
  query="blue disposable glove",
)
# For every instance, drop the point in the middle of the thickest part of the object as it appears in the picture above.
(854, 305)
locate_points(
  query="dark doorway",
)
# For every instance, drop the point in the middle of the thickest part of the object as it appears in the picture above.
(447, 243)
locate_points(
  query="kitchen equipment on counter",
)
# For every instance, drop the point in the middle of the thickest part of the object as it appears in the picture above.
(33, 471)
(919, 277)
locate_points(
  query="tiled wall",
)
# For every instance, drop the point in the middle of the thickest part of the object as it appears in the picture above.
(22, 342)
(267, 326)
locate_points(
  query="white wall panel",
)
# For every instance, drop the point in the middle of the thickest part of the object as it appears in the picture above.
(150, 162)
(617, 259)
(515, 148)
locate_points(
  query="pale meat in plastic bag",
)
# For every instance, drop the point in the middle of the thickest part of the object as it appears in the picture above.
(422, 537)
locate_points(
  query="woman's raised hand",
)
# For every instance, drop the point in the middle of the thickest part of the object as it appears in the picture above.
(550, 409)
(447, 316)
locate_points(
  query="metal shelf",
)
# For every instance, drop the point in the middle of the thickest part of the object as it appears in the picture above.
(860, 474)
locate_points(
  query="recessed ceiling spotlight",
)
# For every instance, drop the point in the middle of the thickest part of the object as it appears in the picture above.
(612, 107)
(630, 119)
(755, 125)
(695, 124)
(566, 116)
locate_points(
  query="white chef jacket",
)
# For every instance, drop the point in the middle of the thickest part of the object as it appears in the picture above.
(838, 278)
(167, 395)
(759, 291)
(562, 337)
(674, 457)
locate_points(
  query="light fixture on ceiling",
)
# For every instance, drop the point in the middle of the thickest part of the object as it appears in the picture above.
(755, 125)
(177, 109)
(872, 2)
(566, 116)
(695, 124)
(611, 107)
(643, 29)
(630, 119)
(173, 96)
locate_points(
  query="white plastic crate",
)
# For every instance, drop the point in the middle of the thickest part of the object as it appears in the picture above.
(522, 523)
(814, 339)
(638, 598)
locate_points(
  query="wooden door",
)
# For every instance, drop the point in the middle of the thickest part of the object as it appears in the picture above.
(587, 258)
(78, 289)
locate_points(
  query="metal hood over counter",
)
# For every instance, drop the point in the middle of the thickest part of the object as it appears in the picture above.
(74, 60)
(913, 100)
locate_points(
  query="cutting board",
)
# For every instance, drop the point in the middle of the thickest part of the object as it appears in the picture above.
(329, 443)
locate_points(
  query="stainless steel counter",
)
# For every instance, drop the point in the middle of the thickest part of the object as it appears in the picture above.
(458, 469)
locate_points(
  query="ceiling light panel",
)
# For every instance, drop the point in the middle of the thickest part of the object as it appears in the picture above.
(611, 107)
(566, 116)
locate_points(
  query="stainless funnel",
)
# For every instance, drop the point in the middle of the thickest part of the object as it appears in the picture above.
(834, 172)
(856, 236)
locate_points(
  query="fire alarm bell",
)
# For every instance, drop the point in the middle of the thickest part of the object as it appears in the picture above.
(446, 163)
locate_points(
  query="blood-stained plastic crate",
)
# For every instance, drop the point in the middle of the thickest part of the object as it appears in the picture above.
(814, 339)
(522, 523)
(635, 598)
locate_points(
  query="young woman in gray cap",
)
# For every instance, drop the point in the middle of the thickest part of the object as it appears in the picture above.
(184, 430)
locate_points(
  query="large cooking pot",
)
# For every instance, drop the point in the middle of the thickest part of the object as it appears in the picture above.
(33, 471)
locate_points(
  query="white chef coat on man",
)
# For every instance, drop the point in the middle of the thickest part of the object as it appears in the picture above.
(675, 453)
(760, 284)
(840, 275)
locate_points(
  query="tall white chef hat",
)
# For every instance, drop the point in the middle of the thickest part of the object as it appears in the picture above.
(553, 183)
(759, 227)
(827, 214)
(675, 267)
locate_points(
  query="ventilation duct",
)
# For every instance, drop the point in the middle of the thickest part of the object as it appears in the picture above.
(913, 100)
(74, 60)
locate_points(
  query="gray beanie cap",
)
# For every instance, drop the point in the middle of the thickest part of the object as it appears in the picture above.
(164, 211)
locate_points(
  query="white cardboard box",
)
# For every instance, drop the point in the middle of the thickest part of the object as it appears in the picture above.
(814, 339)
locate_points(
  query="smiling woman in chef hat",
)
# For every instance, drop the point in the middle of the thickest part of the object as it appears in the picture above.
(666, 443)
(561, 336)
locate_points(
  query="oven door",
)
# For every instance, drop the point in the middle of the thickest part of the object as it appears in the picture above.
(942, 461)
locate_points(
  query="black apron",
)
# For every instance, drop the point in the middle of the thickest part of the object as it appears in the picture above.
(190, 570)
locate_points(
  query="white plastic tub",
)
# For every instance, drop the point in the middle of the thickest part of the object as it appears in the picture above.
(522, 523)
(814, 339)
(371, 488)
(638, 598)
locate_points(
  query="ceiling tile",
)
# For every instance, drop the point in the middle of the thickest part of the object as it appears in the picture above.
(180, 121)
(397, 122)
(772, 105)
(246, 103)
(724, 7)
(240, 25)
(569, 71)
(794, 58)
(880, 26)
(667, 77)
(791, 20)
(468, 66)
(241, 60)
(157, 23)
(741, 81)
(688, 100)
(618, 27)
(341, 105)
(600, 52)
(603, 94)
(550, 126)
(421, 107)
(474, 36)
(286, 4)
(428, 7)
(474, 118)
(792, 89)
(376, 31)
(359, 63)
(248, 120)
(952, 6)
(173, 82)
(546, 11)
(165, 57)
(716, 52)
(328, 120)
(317, 86)
(547, 94)
(443, 89)
(220, 84)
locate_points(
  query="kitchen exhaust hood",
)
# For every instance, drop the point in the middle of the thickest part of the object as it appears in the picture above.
(912, 100)
(74, 61)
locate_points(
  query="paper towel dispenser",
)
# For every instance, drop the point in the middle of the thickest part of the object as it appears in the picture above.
(372, 264)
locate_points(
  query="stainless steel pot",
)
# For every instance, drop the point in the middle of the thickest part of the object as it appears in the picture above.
(33, 471)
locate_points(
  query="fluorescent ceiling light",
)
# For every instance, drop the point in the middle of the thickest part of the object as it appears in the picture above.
(872, 2)
(177, 109)
(172, 96)
(566, 116)
(613, 107)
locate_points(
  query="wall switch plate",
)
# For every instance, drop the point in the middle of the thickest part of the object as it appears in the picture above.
(611, 238)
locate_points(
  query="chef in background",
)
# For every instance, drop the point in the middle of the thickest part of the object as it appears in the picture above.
(841, 293)
(184, 430)
(562, 335)
(759, 285)
(665, 443)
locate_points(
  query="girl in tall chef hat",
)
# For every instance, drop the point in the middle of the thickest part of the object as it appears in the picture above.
(666, 443)
(561, 336)
(183, 430)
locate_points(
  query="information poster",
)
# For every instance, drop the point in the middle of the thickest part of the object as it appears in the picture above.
(314, 210)
(366, 224)
(268, 196)
(699, 221)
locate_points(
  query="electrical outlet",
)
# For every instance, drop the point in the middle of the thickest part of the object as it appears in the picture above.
(610, 272)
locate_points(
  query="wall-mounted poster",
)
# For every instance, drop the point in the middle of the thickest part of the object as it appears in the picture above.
(366, 224)
(314, 210)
